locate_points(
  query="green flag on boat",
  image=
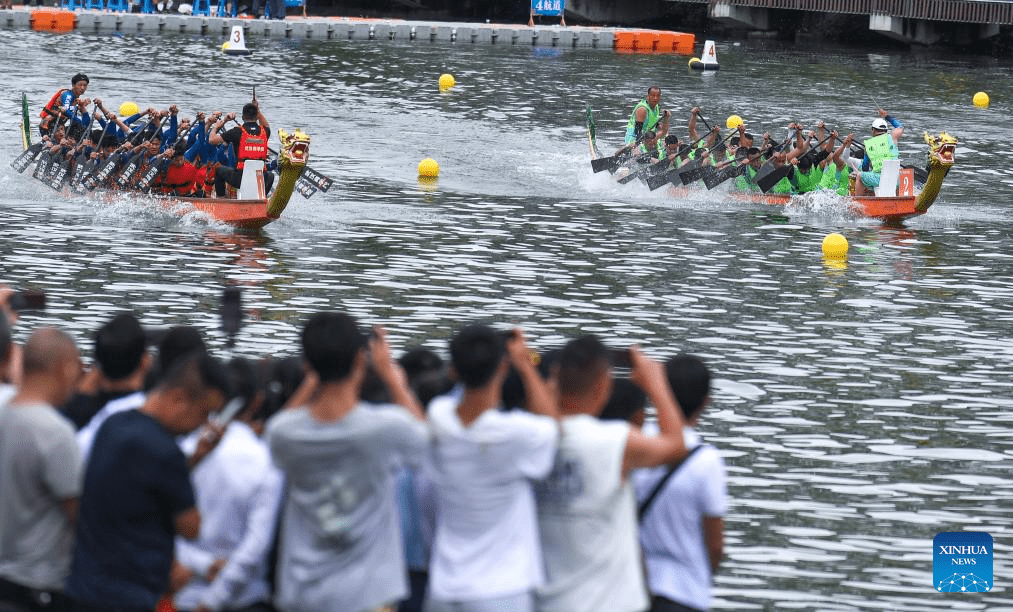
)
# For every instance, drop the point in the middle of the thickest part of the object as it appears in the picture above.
(26, 124)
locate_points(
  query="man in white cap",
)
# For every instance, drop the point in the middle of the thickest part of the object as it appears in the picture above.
(886, 132)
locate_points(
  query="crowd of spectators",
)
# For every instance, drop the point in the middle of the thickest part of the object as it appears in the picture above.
(345, 480)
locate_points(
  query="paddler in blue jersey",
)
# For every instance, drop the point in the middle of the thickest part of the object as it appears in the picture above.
(65, 104)
(647, 115)
(886, 133)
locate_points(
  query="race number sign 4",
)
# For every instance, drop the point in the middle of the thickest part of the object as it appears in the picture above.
(551, 8)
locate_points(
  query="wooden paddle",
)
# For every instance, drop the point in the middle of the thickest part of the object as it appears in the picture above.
(698, 171)
(613, 162)
(772, 177)
(730, 171)
(86, 166)
(21, 162)
(658, 181)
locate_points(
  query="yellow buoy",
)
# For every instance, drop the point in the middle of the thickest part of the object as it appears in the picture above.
(429, 168)
(225, 46)
(733, 122)
(835, 245)
(129, 108)
(693, 59)
(980, 99)
(447, 81)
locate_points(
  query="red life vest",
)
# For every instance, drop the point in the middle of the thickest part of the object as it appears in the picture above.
(251, 146)
(52, 108)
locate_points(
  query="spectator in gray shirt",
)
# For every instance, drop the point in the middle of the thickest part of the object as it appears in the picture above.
(40, 476)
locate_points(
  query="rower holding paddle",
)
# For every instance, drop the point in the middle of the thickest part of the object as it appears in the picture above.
(647, 115)
(64, 105)
(886, 133)
(248, 141)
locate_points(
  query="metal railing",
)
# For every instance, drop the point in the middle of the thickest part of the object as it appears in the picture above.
(961, 11)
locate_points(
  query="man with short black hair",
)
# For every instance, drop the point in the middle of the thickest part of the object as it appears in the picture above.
(40, 476)
(486, 555)
(66, 104)
(586, 509)
(249, 142)
(137, 492)
(121, 362)
(340, 543)
(682, 505)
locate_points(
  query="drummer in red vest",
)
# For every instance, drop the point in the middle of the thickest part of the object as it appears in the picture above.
(249, 142)
(66, 104)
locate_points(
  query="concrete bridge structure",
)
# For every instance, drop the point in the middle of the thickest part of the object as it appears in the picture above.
(912, 21)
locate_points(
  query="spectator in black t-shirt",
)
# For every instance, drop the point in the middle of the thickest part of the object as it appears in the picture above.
(121, 362)
(137, 493)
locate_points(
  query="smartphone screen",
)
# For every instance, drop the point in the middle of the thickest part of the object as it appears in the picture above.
(28, 300)
(620, 358)
(231, 311)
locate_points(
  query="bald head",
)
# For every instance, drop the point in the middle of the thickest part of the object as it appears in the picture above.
(46, 349)
(51, 366)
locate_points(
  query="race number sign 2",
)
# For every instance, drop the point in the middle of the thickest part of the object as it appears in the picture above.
(550, 8)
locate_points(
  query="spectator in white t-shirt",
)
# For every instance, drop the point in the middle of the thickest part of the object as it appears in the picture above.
(681, 530)
(340, 546)
(486, 556)
(586, 511)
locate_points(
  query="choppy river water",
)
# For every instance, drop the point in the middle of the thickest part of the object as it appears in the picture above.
(861, 407)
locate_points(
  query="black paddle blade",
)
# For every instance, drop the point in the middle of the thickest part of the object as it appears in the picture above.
(52, 169)
(21, 162)
(716, 178)
(767, 182)
(318, 180)
(129, 171)
(105, 169)
(60, 175)
(305, 188)
(149, 175)
(42, 167)
(659, 180)
(604, 163)
(692, 175)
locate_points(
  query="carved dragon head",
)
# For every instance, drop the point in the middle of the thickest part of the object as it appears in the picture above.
(295, 147)
(941, 148)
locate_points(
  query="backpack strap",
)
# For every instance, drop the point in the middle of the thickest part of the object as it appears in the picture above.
(642, 510)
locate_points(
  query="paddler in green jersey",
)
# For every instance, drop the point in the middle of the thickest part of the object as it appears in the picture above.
(694, 137)
(647, 115)
(807, 175)
(886, 133)
(747, 180)
(835, 171)
(651, 149)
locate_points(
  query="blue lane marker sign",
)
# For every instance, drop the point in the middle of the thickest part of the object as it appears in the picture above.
(549, 8)
(962, 562)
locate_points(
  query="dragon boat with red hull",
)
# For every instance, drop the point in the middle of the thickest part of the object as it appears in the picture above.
(907, 199)
(252, 209)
